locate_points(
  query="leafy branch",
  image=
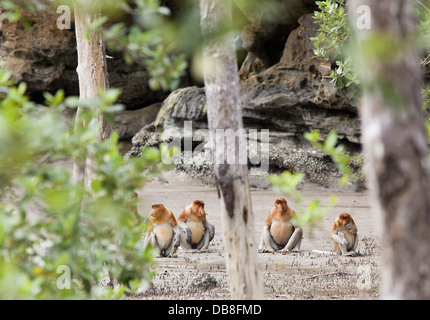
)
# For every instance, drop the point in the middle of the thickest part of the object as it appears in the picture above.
(337, 152)
(48, 221)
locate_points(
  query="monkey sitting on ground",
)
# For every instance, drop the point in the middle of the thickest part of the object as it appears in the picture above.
(279, 234)
(196, 231)
(163, 231)
(344, 235)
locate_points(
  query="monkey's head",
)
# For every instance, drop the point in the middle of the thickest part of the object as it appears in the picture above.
(281, 205)
(344, 219)
(199, 207)
(157, 210)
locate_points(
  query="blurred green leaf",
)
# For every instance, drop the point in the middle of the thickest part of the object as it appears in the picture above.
(89, 231)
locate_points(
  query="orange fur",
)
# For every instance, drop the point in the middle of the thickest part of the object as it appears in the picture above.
(279, 221)
(340, 225)
(194, 216)
(281, 211)
(194, 212)
(163, 230)
(160, 215)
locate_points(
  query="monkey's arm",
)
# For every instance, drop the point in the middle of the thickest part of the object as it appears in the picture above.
(150, 238)
(174, 244)
(148, 234)
(267, 243)
(150, 227)
(352, 227)
(295, 241)
(207, 236)
(185, 232)
(339, 238)
(355, 245)
(173, 220)
(342, 244)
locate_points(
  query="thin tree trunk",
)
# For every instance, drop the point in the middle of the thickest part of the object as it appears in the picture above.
(93, 76)
(395, 145)
(92, 73)
(225, 112)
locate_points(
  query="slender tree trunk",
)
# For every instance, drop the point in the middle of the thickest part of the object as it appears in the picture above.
(92, 73)
(395, 144)
(93, 76)
(224, 113)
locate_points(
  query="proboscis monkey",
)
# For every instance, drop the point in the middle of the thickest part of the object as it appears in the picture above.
(344, 235)
(279, 234)
(163, 231)
(196, 231)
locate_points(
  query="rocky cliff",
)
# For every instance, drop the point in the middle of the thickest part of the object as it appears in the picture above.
(287, 99)
(283, 91)
(45, 57)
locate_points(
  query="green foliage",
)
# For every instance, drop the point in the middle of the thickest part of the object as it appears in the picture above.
(332, 43)
(333, 31)
(427, 124)
(14, 10)
(332, 39)
(337, 152)
(287, 182)
(144, 42)
(344, 73)
(48, 221)
(308, 214)
(426, 107)
(423, 14)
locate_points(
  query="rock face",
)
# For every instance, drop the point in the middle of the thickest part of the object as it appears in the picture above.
(127, 122)
(283, 90)
(294, 97)
(270, 23)
(45, 58)
(287, 99)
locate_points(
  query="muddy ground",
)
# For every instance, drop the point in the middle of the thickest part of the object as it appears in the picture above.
(303, 275)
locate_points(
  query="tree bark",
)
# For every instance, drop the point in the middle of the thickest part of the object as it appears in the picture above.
(92, 74)
(225, 113)
(395, 145)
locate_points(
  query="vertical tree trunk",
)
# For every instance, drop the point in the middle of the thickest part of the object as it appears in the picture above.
(92, 73)
(395, 145)
(224, 113)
